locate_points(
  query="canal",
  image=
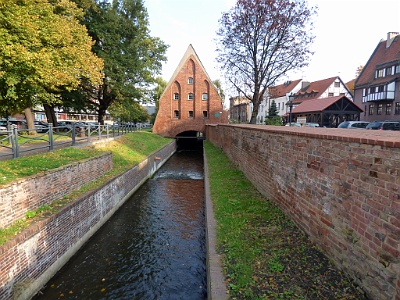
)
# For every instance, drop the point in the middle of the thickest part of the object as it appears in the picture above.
(152, 248)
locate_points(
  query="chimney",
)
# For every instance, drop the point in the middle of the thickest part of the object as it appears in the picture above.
(390, 37)
(305, 84)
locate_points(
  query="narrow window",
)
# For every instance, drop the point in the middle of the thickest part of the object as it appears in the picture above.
(388, 108)
(176, 96)
(176, 114)
(379, 109)
(204, 96)
(337, 84)
(190, 96)
(371, 109)
(190, 80)
(397, 108)
(205, 114)
(190, 113)
(389, 71)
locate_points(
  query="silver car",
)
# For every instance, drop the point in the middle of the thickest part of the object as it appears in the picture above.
(353, 124)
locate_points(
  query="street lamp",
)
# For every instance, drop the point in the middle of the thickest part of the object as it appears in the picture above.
(291, 98)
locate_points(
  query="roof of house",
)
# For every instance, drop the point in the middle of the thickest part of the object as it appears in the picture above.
(282, 89)
(315, 105)
(382, 55)
(313, 90)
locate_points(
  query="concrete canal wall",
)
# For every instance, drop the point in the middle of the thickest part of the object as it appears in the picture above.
(33, 257)
(342, 187)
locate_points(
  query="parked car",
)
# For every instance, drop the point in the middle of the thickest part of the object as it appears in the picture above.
(310, 125)
(353, 124)
(293, 124)
(384, 125)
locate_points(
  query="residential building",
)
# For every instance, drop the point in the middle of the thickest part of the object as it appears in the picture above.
(279, 94)
(377, 88)
(240, 109)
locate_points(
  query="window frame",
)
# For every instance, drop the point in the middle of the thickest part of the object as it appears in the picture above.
(190, 114)
(204, 96)
(190, 80)
(176, 114)
(176, 96)
(190, 96)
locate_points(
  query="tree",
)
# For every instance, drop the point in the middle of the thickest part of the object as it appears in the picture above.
(129, 112)
(273, 110)
(218, 85)
(259, 41)
(131, 56)
(43, 50)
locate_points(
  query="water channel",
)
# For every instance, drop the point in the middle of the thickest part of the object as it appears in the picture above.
(152, 248)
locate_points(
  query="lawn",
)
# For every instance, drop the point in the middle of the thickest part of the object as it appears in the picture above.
(265, 256)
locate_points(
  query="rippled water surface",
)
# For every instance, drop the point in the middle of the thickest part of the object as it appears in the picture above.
(152, 248)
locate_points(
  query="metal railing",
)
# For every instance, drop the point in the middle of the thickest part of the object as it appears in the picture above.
(16, 142)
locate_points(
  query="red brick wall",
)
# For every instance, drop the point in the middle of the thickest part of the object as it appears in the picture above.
(29, 260)
(342, 187)
(30, 193)
(167, 124)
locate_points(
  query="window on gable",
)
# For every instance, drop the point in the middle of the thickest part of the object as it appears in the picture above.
(190, 96)
(379, 109)
(176, 114)
(204, 96)
(176, 96)
(205, 114)
(330, 94)
(337, 84)
(190, 113)
(388, 108)
(190, 80)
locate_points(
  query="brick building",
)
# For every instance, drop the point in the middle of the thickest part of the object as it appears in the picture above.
(190, 100)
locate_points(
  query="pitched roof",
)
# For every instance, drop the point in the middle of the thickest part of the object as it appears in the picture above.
(282, 89)
(313, 90)
(315, 105)
(382, 55)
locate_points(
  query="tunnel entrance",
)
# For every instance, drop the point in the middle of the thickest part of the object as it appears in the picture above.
(190, 140)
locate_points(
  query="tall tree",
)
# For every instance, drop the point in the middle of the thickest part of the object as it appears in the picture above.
(273, 110)
(43, 50)
(131, 56)
(259, 41)
(218, 85)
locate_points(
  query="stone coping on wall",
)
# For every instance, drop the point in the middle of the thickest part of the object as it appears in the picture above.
(386, 138)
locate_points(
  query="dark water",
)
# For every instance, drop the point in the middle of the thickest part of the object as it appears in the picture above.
(152, 248)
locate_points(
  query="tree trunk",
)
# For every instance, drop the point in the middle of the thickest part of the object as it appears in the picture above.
(29, 120)
(50, 114)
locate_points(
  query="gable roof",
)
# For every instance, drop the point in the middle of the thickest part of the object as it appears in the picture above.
(313, 90)
(382, 56)
(282, 89)
(316, 105)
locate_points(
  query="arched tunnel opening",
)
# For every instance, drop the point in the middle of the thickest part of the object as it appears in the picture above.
(190, 140)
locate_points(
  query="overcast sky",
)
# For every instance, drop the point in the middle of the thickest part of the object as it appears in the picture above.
(347, 32)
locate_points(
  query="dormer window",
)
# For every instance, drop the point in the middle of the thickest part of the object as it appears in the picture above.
(190, 80)
(190, 96)
(176, 96)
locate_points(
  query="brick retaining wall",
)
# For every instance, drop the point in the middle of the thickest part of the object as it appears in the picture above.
(342, 187)
(35, 255)
(31, 193)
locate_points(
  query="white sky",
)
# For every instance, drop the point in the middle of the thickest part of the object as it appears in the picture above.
(347, 32)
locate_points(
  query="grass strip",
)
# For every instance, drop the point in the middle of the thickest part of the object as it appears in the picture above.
(264, 255)
(127, 151)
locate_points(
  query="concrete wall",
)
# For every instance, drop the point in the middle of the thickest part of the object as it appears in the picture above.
(341, 186)
(35, 255)
(30, 193)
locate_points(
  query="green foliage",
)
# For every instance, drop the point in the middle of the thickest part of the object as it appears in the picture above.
(131, 56)
(273, 110)
(43, 50)
(218, 85)
(130, 111)
(275, 120)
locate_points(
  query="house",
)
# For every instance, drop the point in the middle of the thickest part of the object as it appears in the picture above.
(377, 88)
(279, 95)
(327, 112)
(190, 100)
(240, 109)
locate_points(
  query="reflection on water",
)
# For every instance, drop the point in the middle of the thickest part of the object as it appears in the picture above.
(152, 248)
